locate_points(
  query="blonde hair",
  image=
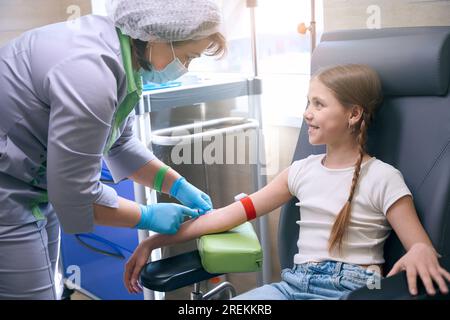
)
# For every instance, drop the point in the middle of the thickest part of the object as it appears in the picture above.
(218, 45)
(352, 85)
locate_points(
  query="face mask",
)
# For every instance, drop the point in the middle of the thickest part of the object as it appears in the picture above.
(172, 71)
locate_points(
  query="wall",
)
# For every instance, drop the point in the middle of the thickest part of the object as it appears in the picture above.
(281, 154)
(348, 14)
(352, 14)
(18, 16)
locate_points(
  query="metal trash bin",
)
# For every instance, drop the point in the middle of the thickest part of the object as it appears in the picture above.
(221, 179)
(218, 156)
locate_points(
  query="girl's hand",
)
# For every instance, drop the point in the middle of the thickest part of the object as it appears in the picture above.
(422, 260)
(135, 264)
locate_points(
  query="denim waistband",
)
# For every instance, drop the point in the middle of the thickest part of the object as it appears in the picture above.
(330, 267)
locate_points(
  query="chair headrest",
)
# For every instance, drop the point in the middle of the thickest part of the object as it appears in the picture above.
(410, 61)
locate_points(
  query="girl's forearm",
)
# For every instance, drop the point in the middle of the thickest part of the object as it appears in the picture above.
(265, 200)
(214, 222)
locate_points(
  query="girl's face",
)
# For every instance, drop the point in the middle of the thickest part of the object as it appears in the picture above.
(327, 119)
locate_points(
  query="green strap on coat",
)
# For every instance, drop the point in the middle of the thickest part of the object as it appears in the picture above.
(35, 210)
(134, 91)
(43, 195)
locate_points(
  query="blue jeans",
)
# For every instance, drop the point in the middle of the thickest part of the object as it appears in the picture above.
(314, 280)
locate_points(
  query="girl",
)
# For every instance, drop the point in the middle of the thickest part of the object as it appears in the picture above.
(349, 201)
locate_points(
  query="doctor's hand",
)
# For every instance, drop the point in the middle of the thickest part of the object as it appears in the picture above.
(422, 260)
(164, 217)
(190, 196)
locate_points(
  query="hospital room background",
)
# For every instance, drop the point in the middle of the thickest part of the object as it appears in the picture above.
(284, 32)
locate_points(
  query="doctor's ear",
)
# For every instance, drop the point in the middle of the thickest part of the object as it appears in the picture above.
(139, 54)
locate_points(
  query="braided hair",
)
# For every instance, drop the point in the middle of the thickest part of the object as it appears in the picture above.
(352, 85)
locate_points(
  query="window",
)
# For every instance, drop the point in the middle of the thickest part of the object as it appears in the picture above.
(283, 54)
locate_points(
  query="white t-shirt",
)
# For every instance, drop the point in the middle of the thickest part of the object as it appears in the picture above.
(323, 192)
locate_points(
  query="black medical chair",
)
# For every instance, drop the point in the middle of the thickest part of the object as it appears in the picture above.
(411, 131)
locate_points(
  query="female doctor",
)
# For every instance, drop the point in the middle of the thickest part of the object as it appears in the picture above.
(68, 92)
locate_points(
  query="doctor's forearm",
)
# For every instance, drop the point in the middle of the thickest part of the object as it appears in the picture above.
(127, 214)
(146, 174)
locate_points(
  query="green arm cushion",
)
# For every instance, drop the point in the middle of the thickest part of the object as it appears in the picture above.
(236, 250)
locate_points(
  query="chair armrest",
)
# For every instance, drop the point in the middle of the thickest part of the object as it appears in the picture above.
(175, 272)
(236, 250)
(396, 288)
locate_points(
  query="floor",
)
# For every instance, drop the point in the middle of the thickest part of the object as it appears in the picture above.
(79, 296)
(242, 282)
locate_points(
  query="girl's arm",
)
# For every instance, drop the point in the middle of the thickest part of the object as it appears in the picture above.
(421, 257)
(265, 200)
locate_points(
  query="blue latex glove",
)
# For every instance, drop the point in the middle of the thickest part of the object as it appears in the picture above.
(190, 196)
(164, 217)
